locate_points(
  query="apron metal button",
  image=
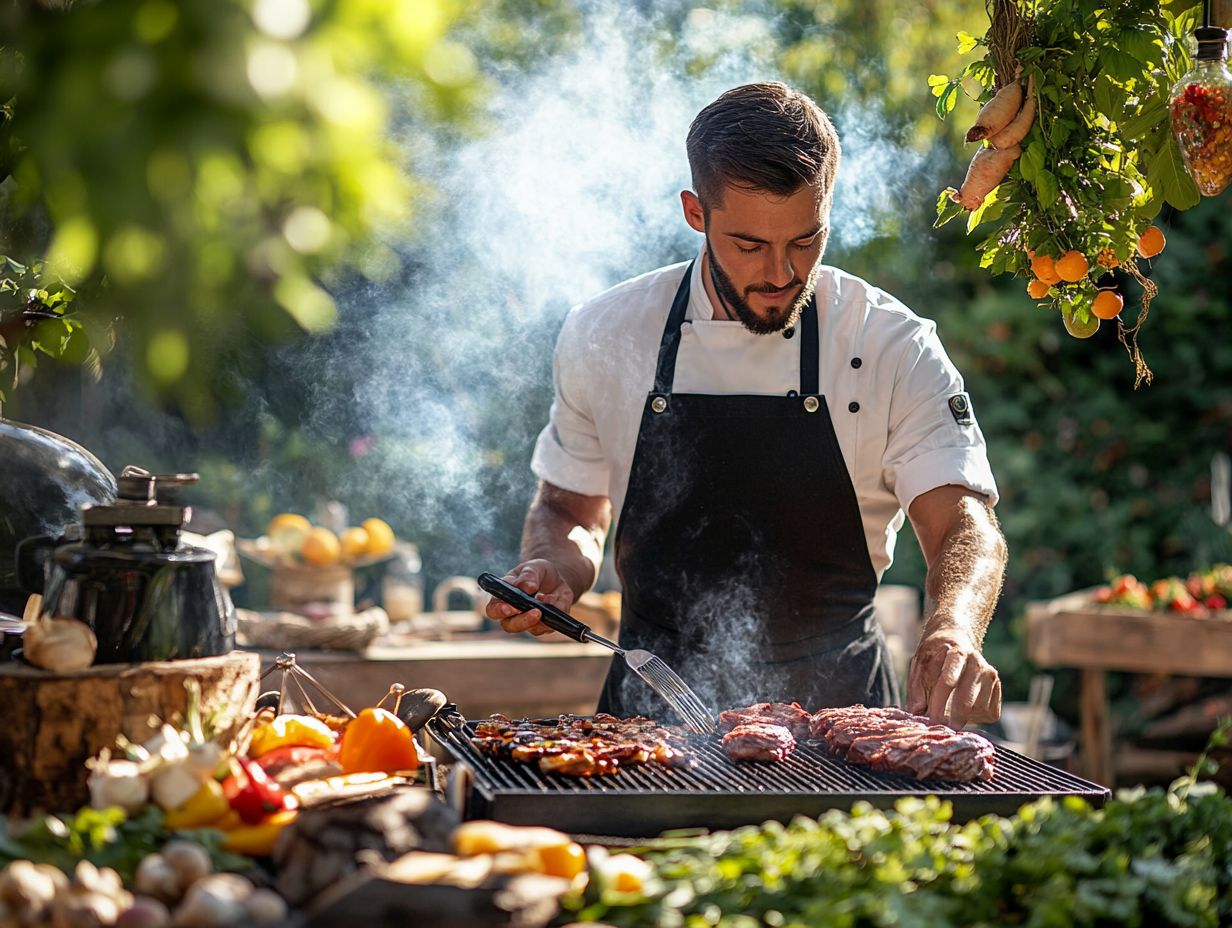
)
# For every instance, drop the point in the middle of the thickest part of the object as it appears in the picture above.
(658, 404)
(811, 404)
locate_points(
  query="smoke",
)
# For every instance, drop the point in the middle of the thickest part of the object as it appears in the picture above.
(429, 396)
(572, 186)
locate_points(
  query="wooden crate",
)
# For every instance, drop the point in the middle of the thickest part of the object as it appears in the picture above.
(1073, 631)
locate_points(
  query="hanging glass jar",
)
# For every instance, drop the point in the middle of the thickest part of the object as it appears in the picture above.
(1201, 112)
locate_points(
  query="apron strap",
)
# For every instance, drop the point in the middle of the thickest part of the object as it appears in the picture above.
(669, 343)
(810, 351)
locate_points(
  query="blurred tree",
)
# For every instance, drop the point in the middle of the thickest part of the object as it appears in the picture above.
(198, 167)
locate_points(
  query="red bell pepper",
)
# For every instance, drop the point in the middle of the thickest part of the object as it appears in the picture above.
(254, 795)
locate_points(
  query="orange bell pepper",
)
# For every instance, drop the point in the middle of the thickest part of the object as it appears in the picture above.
(378, 741)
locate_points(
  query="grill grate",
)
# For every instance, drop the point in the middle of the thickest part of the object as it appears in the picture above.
(718, 793)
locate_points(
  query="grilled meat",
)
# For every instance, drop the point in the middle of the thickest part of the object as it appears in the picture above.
(759, 741)
(787, 715)
(898, 742)
(825, 719)
(574, 745)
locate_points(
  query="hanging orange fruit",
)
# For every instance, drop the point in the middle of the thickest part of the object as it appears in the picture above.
(1108, 304)
(1072, 266)
(1151, 242)
(1038, 289)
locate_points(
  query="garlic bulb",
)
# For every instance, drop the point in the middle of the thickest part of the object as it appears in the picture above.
(60, 645)
(117, 783)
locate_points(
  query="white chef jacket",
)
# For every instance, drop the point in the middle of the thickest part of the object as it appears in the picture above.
(900, 414)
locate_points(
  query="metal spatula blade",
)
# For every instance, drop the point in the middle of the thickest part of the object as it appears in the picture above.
(657, 675)
(664, 681)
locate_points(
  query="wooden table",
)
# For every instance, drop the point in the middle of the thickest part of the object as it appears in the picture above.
(498, 673)
(1074, 632)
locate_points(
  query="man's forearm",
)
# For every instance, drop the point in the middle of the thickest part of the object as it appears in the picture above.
(965, 574)
(555, 534)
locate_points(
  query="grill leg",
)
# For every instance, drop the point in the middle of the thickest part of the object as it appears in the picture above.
(1096, 728)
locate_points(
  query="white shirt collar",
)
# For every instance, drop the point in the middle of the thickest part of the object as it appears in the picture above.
(700, 307)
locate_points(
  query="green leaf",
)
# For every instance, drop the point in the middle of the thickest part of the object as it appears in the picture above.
(1142, 45)
(982, 72)
(50, 336)
(945, 103)
(76, 346)
(947, 209)
(1121, 66)
(966, 42)
(1167, 175)
(1147, 118)
(1047, 188)
(17, 268)
(1031, 162)
(1109, 98)
(992, 207)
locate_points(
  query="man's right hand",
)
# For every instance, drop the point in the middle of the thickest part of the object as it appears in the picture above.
(539, 578)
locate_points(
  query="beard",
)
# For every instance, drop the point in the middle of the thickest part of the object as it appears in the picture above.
(775, 319)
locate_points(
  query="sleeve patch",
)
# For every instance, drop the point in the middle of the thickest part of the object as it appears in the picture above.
(960, 409)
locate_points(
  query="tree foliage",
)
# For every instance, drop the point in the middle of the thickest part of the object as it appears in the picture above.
(200, 167)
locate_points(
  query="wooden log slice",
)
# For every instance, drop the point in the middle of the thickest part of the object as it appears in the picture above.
(54, 722)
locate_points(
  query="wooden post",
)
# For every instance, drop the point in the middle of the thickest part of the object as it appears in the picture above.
(1221, 13)
(1096, 727)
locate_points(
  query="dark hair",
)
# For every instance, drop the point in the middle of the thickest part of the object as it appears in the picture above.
(765, 137)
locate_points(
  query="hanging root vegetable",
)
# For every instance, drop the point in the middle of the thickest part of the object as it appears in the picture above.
(1004, 125)
(1020, 125)
(997, 113)
(987, 169)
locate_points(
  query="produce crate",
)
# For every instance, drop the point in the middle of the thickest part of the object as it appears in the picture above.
(1075, 631)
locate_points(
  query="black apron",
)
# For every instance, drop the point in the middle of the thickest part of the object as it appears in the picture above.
(741, 551)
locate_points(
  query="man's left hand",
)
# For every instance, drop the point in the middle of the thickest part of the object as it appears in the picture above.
(948, 663)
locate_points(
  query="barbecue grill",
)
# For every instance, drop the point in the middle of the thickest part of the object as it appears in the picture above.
(642, 801)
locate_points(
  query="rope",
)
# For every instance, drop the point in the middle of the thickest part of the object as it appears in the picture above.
(1129, 336)
(1010, 28)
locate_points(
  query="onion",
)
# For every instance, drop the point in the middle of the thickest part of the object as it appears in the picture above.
(188, 860)
(144, 913)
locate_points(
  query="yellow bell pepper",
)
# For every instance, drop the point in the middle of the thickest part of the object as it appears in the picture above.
(290, 731)
(205, 807)
(258, 840)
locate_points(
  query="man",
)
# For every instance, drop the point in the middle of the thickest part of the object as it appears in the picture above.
(761, 423)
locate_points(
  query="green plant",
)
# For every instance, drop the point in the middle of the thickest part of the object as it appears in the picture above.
(39, 317)
(1100, 161)
(1147, 858)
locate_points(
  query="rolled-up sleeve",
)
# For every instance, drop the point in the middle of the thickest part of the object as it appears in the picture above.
(934, 437)
(568, 452)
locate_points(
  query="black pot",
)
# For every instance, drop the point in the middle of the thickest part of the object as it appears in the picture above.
(143, 605)
(45, 479)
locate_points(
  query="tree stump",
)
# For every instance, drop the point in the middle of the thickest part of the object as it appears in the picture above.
(54, 722)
